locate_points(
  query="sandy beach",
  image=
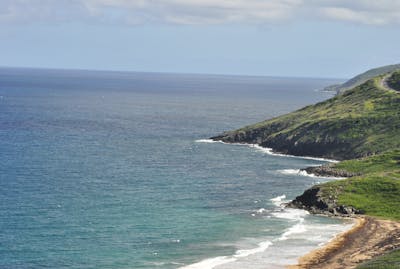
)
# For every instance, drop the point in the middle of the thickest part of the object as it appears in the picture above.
(368, 238)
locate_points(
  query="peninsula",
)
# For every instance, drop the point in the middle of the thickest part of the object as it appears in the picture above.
(361, 128)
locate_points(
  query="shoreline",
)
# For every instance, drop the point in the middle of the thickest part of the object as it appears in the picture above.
(317, 255)
(269, 151)
(368, 238)
(332, 244)
(374, 190)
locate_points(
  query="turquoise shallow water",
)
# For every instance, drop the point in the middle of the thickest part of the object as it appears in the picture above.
(102, 170)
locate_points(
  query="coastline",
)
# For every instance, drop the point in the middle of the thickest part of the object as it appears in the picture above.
(317, 256)
(370, 192)
(269, 151)
(333, 244)
(367, 239)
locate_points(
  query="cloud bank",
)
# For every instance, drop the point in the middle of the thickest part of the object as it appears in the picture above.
(383, 12)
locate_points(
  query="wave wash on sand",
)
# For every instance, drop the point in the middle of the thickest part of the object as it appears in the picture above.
(301, 236)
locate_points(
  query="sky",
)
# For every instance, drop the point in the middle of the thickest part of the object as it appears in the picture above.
(300, 38)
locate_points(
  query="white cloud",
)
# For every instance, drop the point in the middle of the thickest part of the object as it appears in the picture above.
(371, 12)
(27, 11)
(380, 12)
(346, 14)
(200, 11)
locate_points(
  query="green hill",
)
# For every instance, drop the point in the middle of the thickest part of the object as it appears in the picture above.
(360, 122)
(360, 79)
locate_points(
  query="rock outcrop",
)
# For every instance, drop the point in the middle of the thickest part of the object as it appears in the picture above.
(301, 143)
(317, 201)
(329, 171)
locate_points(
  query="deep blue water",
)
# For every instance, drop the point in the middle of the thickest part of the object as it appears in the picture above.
(102, 170)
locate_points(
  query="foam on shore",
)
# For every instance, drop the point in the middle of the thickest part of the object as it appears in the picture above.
(268, 151)
(241, 253)
(298, 229)
(281, 249)
(304, 173)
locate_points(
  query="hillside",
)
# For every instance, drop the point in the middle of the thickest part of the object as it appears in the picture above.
(375, 190)
(360, 79)
(360, 122)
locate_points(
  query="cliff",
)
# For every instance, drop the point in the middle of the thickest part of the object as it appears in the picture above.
(329, 171)
(317, 201)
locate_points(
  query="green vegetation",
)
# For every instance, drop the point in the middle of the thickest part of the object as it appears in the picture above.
(394, 81)
(377, 196)
(389, 161)
(376, 192)
(388, 261)
(360, 79)
(360, 122)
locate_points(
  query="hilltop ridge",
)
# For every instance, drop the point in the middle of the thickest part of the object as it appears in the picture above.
(361, 78)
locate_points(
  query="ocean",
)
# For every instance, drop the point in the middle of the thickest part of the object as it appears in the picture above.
(114, 170)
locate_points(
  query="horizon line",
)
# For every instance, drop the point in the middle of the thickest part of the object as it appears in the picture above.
(164, 72)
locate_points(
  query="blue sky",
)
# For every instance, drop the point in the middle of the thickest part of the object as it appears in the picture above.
(311, 38)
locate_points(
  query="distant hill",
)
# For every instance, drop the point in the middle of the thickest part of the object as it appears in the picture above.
(360, 79)
(359, 122)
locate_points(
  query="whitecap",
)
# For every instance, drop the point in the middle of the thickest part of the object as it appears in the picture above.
(304, 173)
(289, 171)
(279, 200)
(247, 252)
(291, 214)
(296, 172)
(207, 141)
(241, 253)
(261, 210)
(209, 263)
(295, 229)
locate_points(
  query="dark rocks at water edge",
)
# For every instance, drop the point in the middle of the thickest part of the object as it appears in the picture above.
(299, 144)
(316, 201)
(329, 171)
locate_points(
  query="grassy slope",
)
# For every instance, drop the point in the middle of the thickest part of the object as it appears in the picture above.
(359, 79)
(376, 191)
(360, 122)
(389, 161)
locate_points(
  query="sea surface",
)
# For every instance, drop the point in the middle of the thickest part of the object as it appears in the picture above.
(114, 170)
